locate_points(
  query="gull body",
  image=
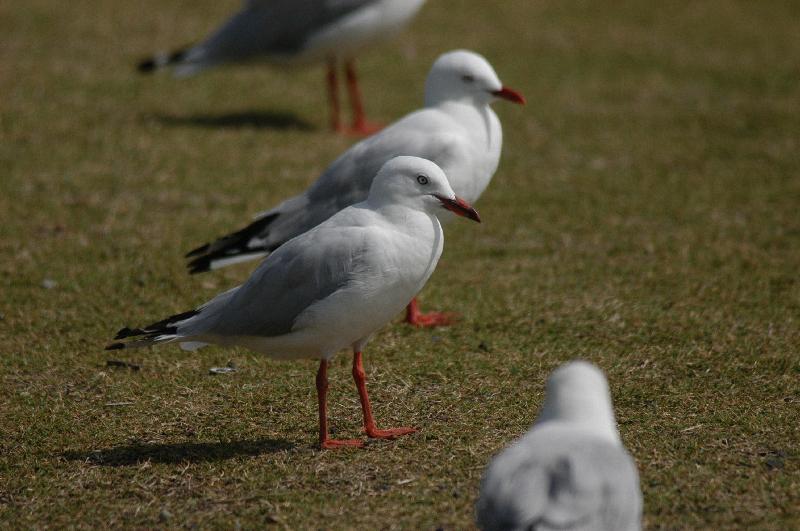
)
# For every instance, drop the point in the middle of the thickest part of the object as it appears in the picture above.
(457, 129)
(299, 32)
(392, 249)
(570, 471)
(296, 32)
(334, 286)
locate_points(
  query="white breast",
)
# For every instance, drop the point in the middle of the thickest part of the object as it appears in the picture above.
(399, 265)
(478, 139)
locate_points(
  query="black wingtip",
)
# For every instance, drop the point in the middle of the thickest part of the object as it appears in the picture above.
(199, 265)
(234, 244)
(200, 250)
(128, 332)
(146, 66)
(177, 56)
(166, 326)
(115, 346)
(150, 64)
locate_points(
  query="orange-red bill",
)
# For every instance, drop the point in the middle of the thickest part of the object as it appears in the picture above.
(459, 207)
(510, 95)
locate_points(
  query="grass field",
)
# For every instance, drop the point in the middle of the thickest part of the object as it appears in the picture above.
(645, 216)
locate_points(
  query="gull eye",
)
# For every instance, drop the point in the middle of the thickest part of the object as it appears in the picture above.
(468, 78)
(421, 179)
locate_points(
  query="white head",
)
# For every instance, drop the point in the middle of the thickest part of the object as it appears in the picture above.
(462, 75)
(419, 183)
(578, 392)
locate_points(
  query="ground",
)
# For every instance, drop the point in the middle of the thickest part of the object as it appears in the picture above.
(644, 217)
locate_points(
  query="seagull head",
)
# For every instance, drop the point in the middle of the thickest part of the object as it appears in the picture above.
(419, 183)
(462, 75)
(577, 392)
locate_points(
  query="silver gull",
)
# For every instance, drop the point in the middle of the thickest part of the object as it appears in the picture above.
(570, 471)
(298, 32)
(332, 287)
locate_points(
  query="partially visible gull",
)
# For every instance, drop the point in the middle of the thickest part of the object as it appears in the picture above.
(570, 471)
(298, 32)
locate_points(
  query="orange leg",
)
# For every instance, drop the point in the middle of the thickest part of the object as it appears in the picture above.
(322, 392)
(428, 320)
(369, 421)
(333, 96)
(360, 124)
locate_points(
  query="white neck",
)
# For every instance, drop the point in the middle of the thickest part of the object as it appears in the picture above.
(479, 120)
(434, 99)
(396, 210)
(591, 410)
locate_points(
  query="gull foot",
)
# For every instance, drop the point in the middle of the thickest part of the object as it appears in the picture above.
(391, 433)
(332, 444)
(432, 319)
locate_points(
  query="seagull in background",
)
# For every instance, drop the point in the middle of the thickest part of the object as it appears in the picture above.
(570, 471)
(332, 287)
(298, 32)
(457, 129)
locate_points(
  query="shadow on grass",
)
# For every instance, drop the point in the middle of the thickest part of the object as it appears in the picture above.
(236, 120)
(177, 453)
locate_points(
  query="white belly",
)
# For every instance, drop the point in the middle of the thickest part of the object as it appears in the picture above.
(362, 28)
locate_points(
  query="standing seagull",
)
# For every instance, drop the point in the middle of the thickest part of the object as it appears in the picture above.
(456, 129)
(570, 471)
(332, 287)
(297, 32)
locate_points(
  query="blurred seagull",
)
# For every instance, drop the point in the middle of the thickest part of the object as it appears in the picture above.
(570, 471)
(297, 32)
(456, 129)
(332, 287)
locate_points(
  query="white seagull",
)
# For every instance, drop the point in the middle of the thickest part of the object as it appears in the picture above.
(298, 32)
(457, 129)
(570, 471)
(332, 287)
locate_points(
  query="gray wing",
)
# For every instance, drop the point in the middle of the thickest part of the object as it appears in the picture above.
(426, 133)
(279, 27)
(550, 482)
(348, 179)
(298, 274)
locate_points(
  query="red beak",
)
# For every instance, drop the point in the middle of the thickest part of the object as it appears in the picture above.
(510, 95)
(459, 207)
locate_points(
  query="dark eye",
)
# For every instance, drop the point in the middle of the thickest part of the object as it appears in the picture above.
(468, 78)
(421, 179)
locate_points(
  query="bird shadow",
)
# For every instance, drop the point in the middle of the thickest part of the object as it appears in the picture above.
(138, 453)
(238, 120)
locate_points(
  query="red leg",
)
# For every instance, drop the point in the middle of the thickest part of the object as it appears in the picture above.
(360, 125)
(369, 422)
(428, 320)
(333, 96)
(322, 392)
